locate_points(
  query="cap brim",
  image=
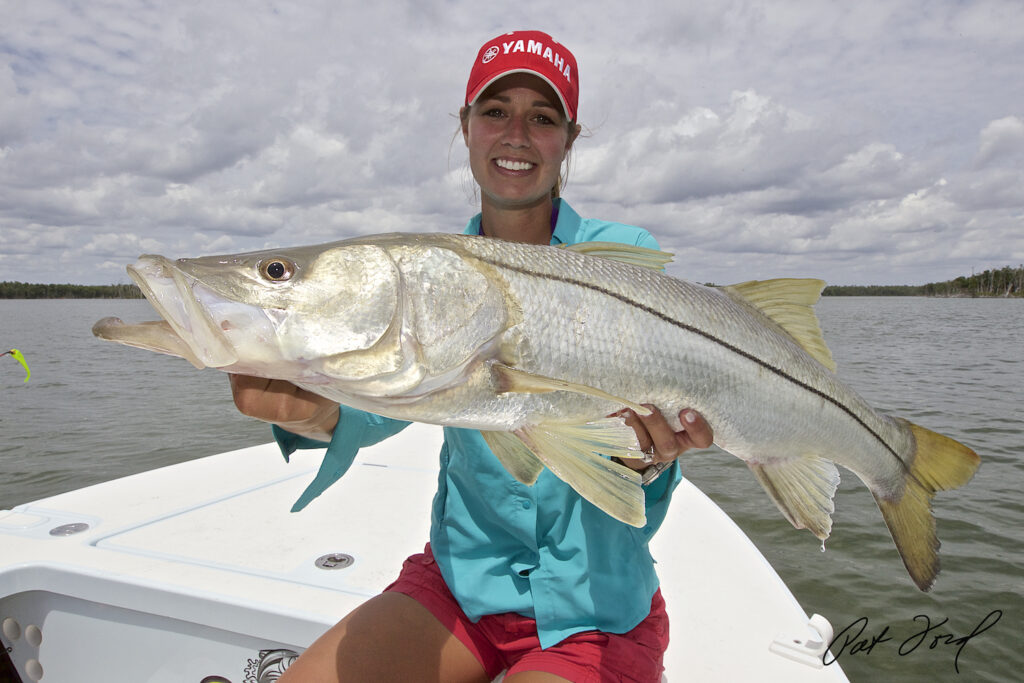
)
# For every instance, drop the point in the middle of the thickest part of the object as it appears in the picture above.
(558, 93)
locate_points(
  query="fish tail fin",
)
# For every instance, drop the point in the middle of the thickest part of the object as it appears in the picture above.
(938, 463)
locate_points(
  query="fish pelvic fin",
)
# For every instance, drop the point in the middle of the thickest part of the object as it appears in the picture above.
(624, 253)
(789, 302)
(514, 456)
(938, 464)
(802, 489)
(574, 453)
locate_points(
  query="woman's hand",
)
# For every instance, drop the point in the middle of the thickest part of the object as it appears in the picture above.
(654, 431)
(286, 405)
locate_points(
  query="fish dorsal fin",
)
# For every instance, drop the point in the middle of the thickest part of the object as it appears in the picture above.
(522, 382)
(789, 302)
(574, 453)
(637, 256)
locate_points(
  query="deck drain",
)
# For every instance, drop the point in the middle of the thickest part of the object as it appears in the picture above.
(335, 561)
(69, 529)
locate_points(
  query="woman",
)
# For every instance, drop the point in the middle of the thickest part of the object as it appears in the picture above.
(529, 579)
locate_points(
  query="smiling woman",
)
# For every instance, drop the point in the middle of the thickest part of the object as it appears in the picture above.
(525, 553)
(519, 124)
(518, 136)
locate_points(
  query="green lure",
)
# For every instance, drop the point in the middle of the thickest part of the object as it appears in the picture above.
(18, 356)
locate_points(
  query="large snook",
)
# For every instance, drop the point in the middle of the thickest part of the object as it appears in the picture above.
(535, 345)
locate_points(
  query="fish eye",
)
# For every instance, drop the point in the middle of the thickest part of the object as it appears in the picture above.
(277, 269)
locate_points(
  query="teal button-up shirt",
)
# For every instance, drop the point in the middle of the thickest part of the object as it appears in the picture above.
(541, 551)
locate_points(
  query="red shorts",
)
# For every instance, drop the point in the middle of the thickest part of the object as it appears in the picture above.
(509, 642)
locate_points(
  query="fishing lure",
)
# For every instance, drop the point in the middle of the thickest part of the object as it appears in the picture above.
(18, 356)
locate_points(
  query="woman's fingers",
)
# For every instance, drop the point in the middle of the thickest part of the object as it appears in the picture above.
(654, 430)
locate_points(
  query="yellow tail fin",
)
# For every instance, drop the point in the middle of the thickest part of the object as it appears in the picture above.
(938, 463)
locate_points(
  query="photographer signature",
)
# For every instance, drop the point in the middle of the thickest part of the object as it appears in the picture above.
(852, 639)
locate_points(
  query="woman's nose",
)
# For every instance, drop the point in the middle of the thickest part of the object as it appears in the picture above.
(516, 133)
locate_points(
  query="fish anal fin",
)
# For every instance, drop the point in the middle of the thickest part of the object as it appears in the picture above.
(789, 302)
(938, 463)
(802, 489)
(519, 381)
(574, 453)
(624, 253)
(515, 457)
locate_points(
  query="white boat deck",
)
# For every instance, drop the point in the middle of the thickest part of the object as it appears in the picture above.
(198, 572)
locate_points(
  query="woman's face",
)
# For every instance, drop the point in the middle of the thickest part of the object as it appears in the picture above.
(517, 137)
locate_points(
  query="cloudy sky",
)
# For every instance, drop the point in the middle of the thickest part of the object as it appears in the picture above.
(861, 142)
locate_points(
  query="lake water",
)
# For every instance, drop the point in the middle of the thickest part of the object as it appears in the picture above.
(94, 411)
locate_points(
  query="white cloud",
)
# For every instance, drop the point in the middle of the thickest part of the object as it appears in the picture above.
(878, 142)
(1002, 141)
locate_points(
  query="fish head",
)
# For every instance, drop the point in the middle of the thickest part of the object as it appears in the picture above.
(275, 313)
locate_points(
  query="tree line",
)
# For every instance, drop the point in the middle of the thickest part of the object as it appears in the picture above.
(1002, 282)
(27, 290)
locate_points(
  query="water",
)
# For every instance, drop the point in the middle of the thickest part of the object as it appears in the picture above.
(93, 411)
(955, 366)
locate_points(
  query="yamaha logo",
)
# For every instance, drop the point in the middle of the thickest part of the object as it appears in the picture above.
(534, 47)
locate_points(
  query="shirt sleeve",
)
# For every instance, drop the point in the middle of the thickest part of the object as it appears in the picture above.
(647, 241)
(355, 429)
(658, 495)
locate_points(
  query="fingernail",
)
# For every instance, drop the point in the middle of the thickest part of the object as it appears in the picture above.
(689, 416)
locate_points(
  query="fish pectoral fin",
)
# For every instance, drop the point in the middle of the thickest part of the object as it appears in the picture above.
(574, 453)
(514, 456)
(625, 253)
(789, 302)
(802, 489)
(521, 382)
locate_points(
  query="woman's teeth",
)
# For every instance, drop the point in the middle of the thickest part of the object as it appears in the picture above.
(510, 165)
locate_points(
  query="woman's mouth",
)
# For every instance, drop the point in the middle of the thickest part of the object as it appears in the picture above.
(514, 165)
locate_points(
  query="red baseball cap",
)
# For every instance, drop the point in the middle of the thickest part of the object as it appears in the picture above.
(531, 52)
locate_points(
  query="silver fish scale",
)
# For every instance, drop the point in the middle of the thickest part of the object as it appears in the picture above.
(651, 338)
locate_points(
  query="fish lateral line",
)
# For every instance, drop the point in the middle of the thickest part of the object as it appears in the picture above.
(702, 333)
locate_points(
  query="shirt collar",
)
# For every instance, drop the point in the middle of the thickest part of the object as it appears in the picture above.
(565, 229)
(568, 224)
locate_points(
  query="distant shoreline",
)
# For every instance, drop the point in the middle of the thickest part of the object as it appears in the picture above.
(25, 290)
(991, 284)
(1004, 283)
(912, 290)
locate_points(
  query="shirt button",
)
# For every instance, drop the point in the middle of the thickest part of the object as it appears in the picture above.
(527, 505)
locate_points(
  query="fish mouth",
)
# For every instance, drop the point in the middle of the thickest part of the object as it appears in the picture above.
(182, 301)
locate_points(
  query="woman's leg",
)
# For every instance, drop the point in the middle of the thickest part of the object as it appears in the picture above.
(388, 638)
